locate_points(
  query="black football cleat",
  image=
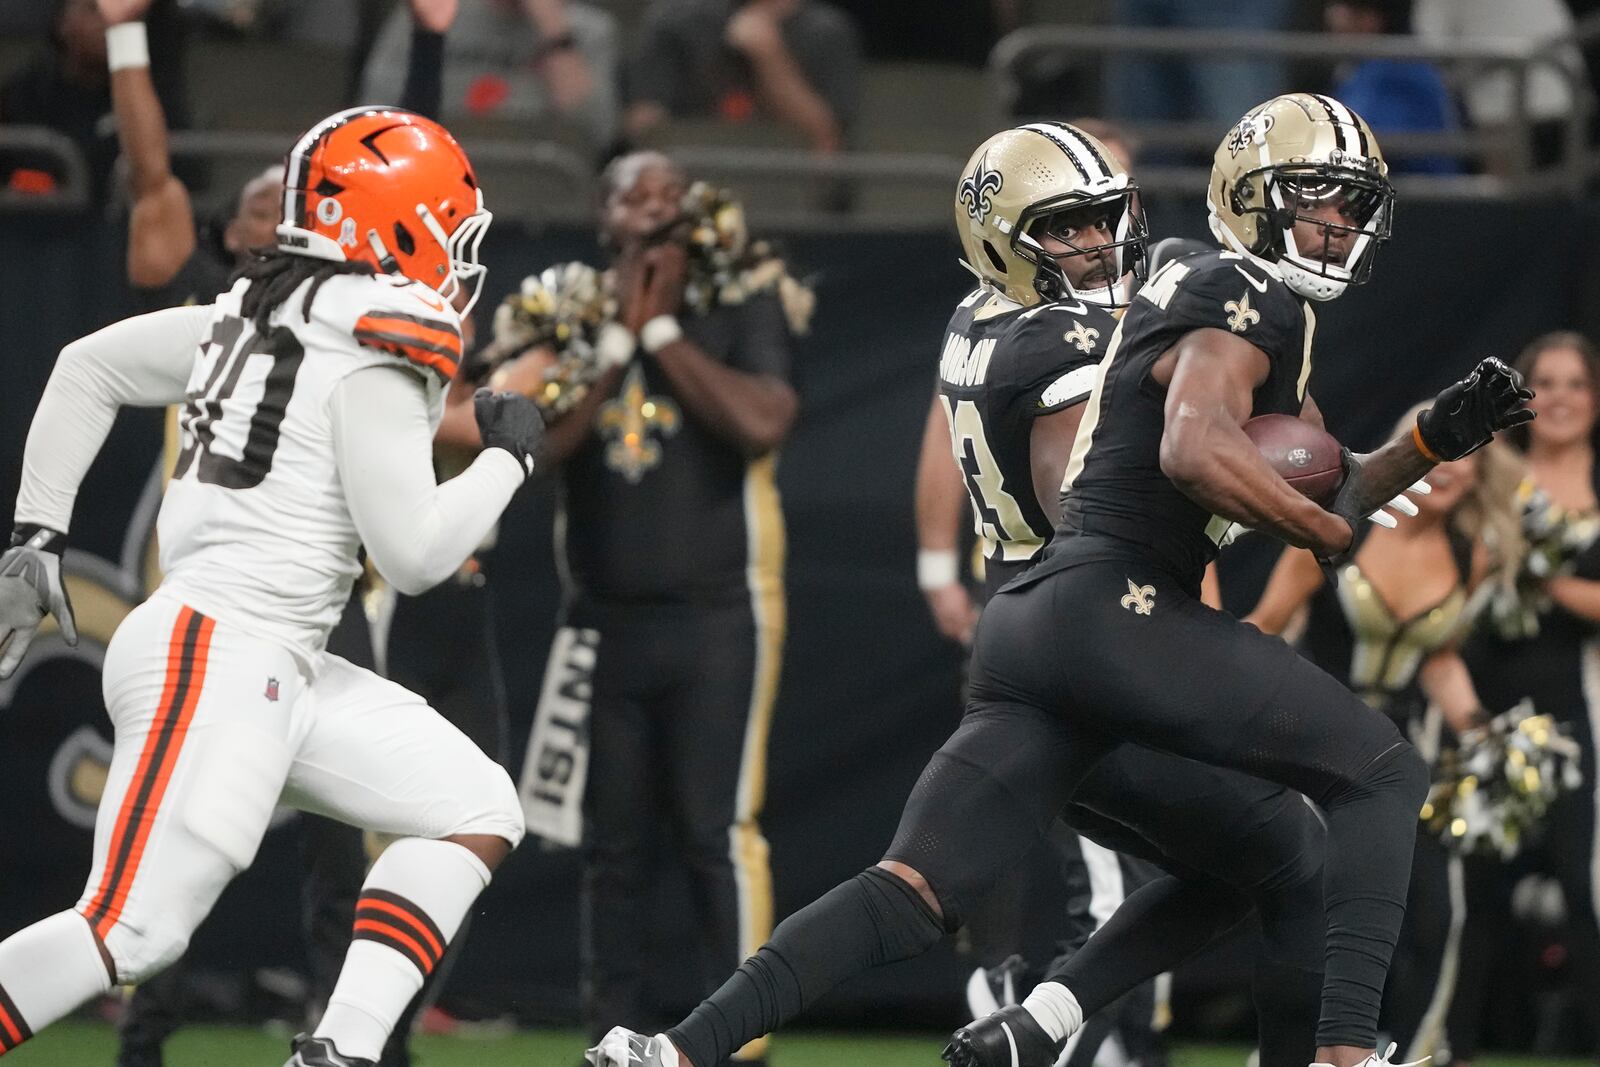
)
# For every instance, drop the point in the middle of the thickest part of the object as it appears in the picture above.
(1008, 1038)
(320, 1052)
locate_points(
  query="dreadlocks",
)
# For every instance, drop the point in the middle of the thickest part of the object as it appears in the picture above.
(274, 276)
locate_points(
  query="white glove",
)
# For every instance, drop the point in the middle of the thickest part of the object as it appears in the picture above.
(1400, 504)
(30, 589)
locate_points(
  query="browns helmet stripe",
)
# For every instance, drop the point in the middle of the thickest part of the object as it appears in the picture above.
(297, 165)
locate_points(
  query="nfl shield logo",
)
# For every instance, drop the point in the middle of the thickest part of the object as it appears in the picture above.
(272, 689)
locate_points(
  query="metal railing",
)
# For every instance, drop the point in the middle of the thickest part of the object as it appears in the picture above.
(1508, 147)
(545, 182)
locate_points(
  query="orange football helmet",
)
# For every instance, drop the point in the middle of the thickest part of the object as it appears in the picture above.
(390, 188)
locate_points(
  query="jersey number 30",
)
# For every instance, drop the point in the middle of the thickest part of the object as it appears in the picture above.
(232, 438)
(999, 519)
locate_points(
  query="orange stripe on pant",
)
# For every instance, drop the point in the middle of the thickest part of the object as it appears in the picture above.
(187, 652)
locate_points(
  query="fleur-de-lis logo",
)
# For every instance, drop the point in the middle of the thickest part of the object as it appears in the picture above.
(1252, 129)
(1141, 599)
(1081, 336)
(627, 421)
(978, 188)
(1241, 316)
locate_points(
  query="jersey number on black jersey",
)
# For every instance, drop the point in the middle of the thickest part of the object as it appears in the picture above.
(999, 517)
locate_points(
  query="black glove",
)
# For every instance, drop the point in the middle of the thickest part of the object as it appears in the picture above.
(31, 588)
(1344, 505)
(1465, 416)
(510, 421)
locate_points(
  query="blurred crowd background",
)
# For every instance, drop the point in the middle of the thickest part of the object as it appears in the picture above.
(841, 125)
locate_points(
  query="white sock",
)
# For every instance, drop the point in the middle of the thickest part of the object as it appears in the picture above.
(411, 905)
(1055, 1009)
(46, 971)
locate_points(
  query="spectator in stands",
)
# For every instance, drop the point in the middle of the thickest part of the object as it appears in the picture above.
(1166, 88)
(1490, 95)
(1393, 95)
(524, 61)
(66, 88)
(799, 61)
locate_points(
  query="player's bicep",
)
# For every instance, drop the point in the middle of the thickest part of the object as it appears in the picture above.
(1049, 448)
(1214, 374)
(383, 448)
(139, 362)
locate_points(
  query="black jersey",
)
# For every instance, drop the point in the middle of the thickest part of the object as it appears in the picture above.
(1118, 503)
(658, 508)
(1003, 366)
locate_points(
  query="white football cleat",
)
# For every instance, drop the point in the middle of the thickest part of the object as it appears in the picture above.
(1384, 1060)
(622, 1047)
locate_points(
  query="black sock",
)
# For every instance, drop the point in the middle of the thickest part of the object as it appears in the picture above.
(1288, 1004)
(1161, 924)
(874, 918)
(1372, 830)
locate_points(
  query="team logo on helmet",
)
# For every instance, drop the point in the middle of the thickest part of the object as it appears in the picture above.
(978, 188)
(1252, 129)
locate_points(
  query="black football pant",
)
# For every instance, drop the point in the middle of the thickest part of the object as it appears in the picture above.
(441, 645)
(683, 696)
(1083, 677)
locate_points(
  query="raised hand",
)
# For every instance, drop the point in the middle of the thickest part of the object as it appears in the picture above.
(1465, 416)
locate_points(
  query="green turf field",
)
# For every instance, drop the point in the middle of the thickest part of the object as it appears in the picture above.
(80, 1044)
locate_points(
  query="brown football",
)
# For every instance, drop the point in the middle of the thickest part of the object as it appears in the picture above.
(1304, 456)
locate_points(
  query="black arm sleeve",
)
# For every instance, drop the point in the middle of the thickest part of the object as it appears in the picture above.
(424, 88)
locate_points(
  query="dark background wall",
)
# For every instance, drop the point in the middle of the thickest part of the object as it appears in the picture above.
(869, 690)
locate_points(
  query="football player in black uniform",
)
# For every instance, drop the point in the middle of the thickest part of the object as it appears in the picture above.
(1104, 691)
(1017, 364)
(1020, 352)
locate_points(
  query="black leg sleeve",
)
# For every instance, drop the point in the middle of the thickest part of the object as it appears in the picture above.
(1159, 926)
(873, 919)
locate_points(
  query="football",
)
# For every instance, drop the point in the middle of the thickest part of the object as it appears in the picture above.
(1303, 455)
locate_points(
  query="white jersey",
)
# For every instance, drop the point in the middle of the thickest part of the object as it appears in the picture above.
(255, 528)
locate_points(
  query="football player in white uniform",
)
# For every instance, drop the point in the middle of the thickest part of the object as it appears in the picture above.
(310, 393)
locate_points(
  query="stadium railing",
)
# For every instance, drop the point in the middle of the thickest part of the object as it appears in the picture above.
(1505, 150)
(544, 182)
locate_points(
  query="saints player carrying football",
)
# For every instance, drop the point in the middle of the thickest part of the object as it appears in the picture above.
(1076, 675)
(311, 390)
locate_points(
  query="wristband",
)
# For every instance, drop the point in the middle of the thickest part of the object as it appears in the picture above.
(127, 46)
(1422, 446)
(41, 537)
(614, 346)
(937, 568)
(659, 332)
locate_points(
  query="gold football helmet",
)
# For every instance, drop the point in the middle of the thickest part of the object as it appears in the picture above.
(1291, 154)
(1016, 183)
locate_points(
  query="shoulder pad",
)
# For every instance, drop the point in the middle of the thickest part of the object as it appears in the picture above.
(1072, 330)
(399, 318)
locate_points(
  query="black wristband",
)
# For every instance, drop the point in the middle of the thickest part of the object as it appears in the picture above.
(40, 537)
(561, 42)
